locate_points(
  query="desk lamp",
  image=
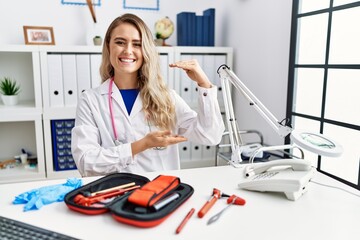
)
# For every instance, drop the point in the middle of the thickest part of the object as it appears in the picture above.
(314, 142)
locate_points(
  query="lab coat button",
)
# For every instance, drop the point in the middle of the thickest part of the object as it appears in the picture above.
(204, 94)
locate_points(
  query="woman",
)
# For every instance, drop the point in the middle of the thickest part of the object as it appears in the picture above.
(132, 122)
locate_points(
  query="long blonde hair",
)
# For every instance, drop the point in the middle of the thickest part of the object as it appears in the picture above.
(157, 104)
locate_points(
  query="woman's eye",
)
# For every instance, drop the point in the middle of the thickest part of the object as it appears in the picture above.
(120, 42)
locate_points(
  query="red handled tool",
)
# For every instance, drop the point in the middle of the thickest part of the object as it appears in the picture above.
(185, 220)
(215, 196)
(87, 201)
(233, 199)
(89, 194)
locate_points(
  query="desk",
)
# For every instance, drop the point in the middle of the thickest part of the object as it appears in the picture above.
(322, 213)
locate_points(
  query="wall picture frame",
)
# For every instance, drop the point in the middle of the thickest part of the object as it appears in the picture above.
(152, 5)
(38, 35)
(81, 2)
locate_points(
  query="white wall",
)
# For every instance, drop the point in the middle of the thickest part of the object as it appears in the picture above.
(258, 30)
(73, 24)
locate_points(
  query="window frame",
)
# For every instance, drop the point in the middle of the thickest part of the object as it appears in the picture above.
(293, 66)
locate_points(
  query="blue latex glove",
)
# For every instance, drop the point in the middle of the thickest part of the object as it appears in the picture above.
(36, 198)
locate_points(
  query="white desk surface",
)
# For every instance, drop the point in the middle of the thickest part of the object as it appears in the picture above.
(322, 213)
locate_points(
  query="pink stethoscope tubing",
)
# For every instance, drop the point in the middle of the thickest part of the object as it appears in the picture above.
(111, 110)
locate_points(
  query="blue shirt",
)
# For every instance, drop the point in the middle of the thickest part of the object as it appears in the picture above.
(129, 97)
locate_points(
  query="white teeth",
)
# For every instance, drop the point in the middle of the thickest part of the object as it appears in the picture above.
(126, 60)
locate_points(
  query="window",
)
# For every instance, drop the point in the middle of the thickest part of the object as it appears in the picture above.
(324, 80)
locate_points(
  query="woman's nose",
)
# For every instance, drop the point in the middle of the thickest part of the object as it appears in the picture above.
(128, 48)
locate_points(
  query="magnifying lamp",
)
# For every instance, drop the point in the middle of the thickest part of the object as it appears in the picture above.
(316, 143)
(313, 142)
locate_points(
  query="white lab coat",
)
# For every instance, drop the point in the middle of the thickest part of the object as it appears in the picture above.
(93, 147)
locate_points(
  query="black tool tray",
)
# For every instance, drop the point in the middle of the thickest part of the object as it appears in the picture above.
(122, 210)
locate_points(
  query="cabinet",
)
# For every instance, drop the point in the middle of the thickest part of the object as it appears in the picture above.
(21, 125)
(66, 72)
(52, 79)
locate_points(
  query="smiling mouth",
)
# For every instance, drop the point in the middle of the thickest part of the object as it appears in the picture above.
(127, 60)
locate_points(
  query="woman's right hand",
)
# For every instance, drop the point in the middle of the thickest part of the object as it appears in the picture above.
(156, 139)
(194, 72)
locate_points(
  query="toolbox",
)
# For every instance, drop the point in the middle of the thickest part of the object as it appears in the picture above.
(131, 199)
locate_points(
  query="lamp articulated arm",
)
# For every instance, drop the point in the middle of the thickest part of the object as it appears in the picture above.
(313, 142)
(227, 76)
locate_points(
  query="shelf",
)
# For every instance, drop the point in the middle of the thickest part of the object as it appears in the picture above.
(23, 111)
(71, 49)
(17, 134)
(59, 113)
(18, 48)
(63, 174)
(25, 104)
(21, 173)
(22, 65)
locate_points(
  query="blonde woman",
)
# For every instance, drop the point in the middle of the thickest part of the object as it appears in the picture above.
(132, 122)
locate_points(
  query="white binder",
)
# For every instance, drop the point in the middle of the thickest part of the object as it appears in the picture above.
(219, 60)
(208, 152)
(185, 83)
(164, 67)
(196, 152)
(56, 89)
(210, 68)
(83, 72)
(95, 62)
(185, 151)
(69, 77)
(194, 86)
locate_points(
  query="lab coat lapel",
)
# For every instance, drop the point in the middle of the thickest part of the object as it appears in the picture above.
(117, 100)
(137, 106)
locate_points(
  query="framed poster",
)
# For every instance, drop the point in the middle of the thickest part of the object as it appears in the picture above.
(142, 4)
(81, 2)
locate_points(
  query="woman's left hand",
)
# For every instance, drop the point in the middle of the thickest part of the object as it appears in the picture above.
(194, 72)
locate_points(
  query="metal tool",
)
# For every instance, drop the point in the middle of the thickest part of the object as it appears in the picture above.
(233, 200)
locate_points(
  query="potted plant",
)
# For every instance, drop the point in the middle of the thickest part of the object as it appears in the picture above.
(9, 90)
(97, 40)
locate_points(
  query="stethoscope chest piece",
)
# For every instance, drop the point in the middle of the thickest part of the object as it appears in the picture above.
(117, 142)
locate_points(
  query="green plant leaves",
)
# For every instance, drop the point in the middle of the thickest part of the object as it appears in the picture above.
(9, 87)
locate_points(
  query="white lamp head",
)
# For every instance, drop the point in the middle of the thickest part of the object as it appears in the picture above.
(316, 143)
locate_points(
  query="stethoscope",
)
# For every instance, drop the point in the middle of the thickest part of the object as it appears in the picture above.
(116, 141)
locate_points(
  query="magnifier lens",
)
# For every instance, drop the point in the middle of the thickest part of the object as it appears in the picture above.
(318, 140)
(316, 143)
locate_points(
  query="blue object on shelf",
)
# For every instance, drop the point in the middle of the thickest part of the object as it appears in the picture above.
(199, 34)
(61, 143)
(193, 30)
(184, 28)
(209, 16)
